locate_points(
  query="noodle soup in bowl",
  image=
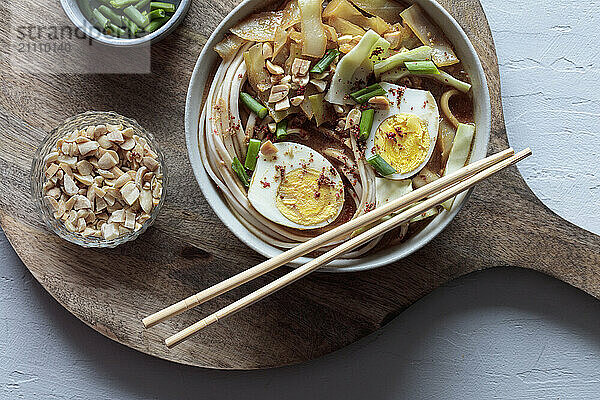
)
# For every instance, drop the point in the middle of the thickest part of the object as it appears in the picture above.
(386, 110)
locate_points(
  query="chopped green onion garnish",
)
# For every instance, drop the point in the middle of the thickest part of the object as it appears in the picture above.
(366, 90)
(110, 14)
(381, 166)
(115, 30)
(86, 9)
(238, 168)
(122, 3)
(366, 123)
(281, 130)
(254, 105)
(155, 14)
(131, 26)
(136, 16)
(324, 62)
(142, 4)
(421, 67)
(365, 97)
(399, 59)
(155, 24)
(101, 21)
(252, 154)
(168, 7)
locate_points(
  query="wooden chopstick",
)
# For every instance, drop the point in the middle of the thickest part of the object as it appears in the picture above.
(327, 257)
(321, 240)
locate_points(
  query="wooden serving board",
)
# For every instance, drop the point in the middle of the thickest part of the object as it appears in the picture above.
(188, 249)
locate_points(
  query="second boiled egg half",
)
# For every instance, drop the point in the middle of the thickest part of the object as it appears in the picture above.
(405, 134)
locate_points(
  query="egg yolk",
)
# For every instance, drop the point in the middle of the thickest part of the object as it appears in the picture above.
(307, 197)
(403, 141)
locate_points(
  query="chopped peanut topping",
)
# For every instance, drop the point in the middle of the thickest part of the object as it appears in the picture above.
(268, 149)
(102, 181)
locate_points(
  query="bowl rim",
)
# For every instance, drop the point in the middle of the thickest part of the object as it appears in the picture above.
(71, 8)
(194, 101)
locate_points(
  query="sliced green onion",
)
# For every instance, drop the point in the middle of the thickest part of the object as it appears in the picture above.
(136, 16)
(399, 59)
(366, 90)
(421, 67)
(122, 3)
(366, 123)
(381, 166)
(156, 24)
(252, 154)
(86, 9)
(155, 14)
(254, 105)
(110, 14)
(115, 30)
(365, 97)
(281, 130)
(142, 4)
(131, 26)
(324, 62)
(448, 79)
(101, 21)
(238, 168)
(168, 7)
(397, 74)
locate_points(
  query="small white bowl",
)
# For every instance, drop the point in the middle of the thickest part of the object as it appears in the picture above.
(208, 60)
(71, 8)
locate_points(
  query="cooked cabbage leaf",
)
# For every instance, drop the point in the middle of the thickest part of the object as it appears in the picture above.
(314, 39)
(344, 77)
(261, 27)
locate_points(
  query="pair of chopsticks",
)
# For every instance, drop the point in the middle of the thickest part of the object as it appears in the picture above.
(430, 195)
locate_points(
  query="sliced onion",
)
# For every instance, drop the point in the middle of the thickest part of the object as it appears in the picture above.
(389, 10)
(228, 47)
(261, 27)
(430, 35)
(314, 39)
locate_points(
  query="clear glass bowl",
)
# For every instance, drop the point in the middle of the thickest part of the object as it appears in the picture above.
(38, 177)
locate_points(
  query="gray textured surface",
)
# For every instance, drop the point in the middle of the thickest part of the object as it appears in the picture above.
(504, 333)
(548, 59)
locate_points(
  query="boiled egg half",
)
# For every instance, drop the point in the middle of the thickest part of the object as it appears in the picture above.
(296, 187)
(405, 134)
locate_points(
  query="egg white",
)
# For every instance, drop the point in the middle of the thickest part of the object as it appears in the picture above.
(265, 181)
(407, 101)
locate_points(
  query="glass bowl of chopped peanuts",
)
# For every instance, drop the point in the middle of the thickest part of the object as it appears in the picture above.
(99, 179)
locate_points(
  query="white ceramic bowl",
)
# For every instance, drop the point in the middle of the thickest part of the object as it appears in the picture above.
(208, 60)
